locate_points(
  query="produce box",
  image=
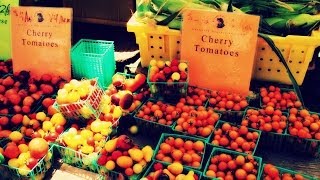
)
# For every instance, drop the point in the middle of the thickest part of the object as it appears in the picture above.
(235, 137)
(197, 122)
(152, 117)
(92, 59)
(87, 108)
(154, 168)
(303, 135)
(162, 42)
(80, 148)
(273, 131)
(123, 158)
(171, 146)
(279, 98)
(242, 164)
(283, 172)
(231, 106)
(168, 79)
(36, 173)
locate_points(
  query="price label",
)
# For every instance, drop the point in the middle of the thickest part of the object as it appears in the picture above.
(5, 34)
(4, 9)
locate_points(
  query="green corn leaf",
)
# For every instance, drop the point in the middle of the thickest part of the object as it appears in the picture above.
(230, 8)
(167, 20)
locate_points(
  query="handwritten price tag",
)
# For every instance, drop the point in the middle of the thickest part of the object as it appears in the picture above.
(5, 9)
(5, 40)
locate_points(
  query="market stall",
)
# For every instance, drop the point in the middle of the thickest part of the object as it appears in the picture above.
(216, 94)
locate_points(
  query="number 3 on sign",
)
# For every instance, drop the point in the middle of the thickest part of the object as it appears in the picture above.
(4, 9)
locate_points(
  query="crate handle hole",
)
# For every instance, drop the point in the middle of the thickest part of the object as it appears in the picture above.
(151, 37)
(269, 69)
(261, 59)
(160, 37)
(297, 72)
(270, 59)
(259, 69)
(282, 50)
(178, 52)
(278, 70)
(302, 51)
(160, 47)
(152, 56)
(178, 42)
(160, 57)
(300, 62)
(290, 61)
(151, 47)
(263, 49)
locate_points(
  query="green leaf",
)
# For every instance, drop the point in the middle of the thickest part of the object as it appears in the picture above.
(230, 8)
(167, 20)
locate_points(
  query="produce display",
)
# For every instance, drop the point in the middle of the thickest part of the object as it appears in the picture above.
(187, 151)
(272, 172)
(279, 98)
(196, 96)
(226, 101)
(122, 155)
(88, 140)
(154, 124)
(199, 122)
(23, 156)
(267, 119)
(278, 17)
(19, 93)
(39, 125)
(158, 112)
(230, 165)
(304, 124)
(168, 79)
(170, 171)
(237, 138)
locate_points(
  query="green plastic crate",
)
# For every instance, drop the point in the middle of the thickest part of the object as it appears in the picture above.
(309, 147)
(170, 92)
(73, 110)
(77, 159)
(207, 96)
(185, 169)
(229, 115)
(93, 58)
(150, 127)
(281, 90)
(206, 139)
(219, 124)
(271, 140)
(284, 170)
(216, 151)
(114, 174)
(193, 139)
(38, 172)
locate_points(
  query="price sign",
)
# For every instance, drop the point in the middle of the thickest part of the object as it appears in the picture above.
(220, 48)
(5, 33)
(41, 40)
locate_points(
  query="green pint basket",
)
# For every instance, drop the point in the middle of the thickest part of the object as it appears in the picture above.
(93, 58)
